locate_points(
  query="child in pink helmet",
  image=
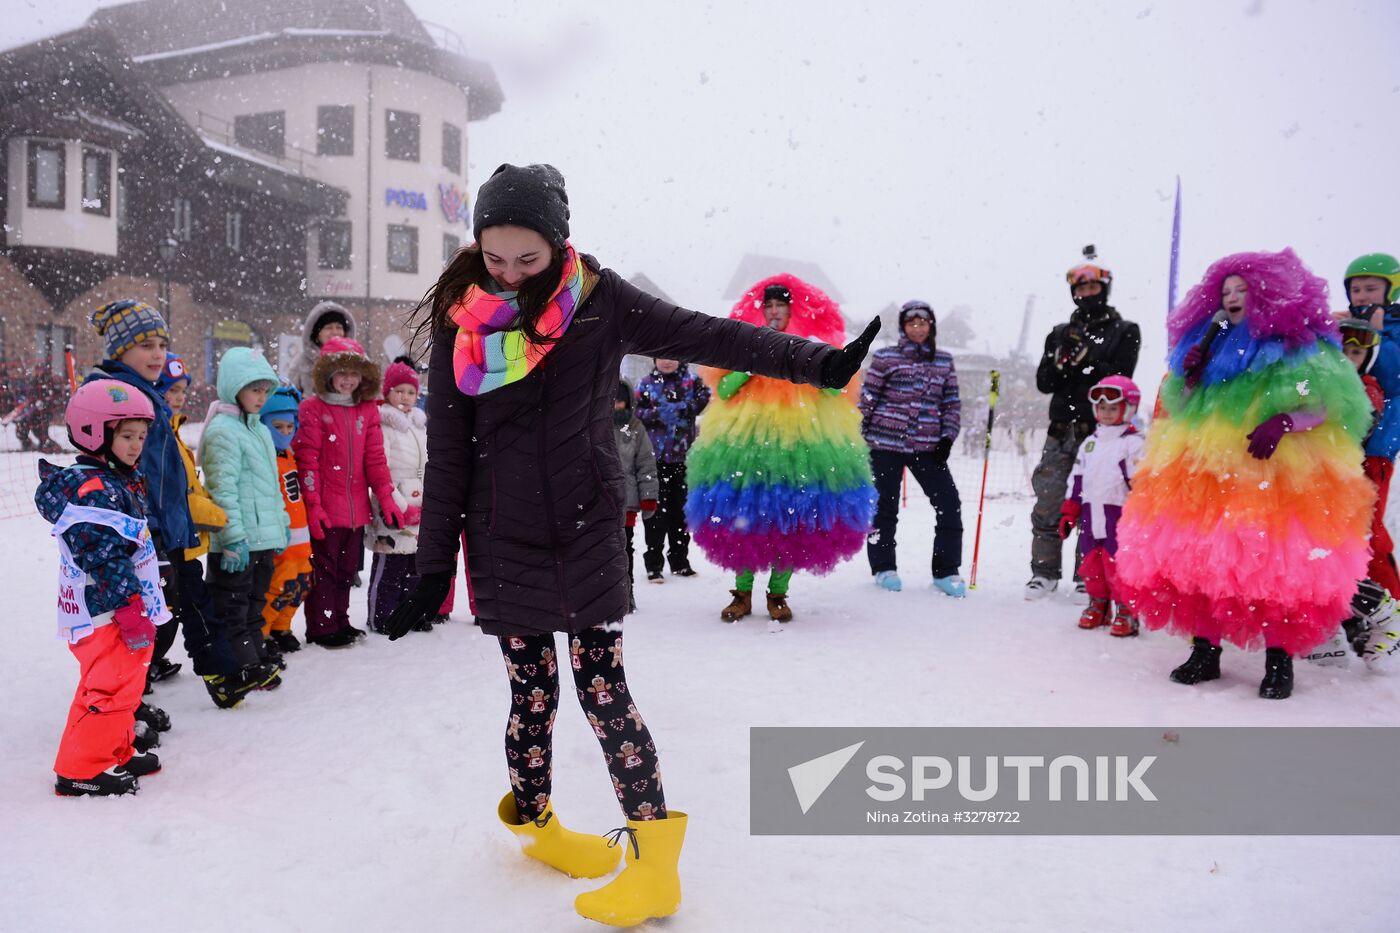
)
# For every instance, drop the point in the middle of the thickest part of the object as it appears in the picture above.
(1098, 487)
(109, 590)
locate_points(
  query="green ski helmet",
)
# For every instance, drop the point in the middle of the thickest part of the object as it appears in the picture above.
(1380, 265)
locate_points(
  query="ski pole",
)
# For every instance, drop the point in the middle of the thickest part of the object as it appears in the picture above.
(72, 375)
(986, 459)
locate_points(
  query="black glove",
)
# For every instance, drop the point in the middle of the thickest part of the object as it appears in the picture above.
(423, 603)
(942, 449)
(841, 366)
(1073, 349)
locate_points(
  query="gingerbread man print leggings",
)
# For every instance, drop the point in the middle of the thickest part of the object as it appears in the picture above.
(595, 655)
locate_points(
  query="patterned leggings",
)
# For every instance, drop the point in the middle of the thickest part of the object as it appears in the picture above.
(596, 657)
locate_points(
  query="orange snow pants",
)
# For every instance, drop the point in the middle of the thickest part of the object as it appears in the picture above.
(290, 581)
(102, 719)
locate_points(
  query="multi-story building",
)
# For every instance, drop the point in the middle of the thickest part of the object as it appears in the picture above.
(277, 153)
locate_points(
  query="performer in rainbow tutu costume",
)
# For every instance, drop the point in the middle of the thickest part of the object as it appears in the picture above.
(780, 476)
(1249, 515)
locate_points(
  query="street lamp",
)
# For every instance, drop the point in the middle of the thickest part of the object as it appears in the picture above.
(167, 248)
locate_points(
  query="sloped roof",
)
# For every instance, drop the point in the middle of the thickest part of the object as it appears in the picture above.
(146, 27)
(82, 77)
(644, 282)
(189, 40)
(754, 267)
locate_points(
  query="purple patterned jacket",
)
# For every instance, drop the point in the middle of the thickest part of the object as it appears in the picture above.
(909, 401)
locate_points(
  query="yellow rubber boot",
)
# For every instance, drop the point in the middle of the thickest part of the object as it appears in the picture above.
(577, 855)
(649, 886)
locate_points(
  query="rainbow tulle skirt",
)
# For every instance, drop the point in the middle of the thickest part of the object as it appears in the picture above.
(780, 479)
(1260, 553)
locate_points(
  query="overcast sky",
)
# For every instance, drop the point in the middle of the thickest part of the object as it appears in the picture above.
(958, 152)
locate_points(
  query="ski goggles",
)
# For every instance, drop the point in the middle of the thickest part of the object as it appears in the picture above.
(1106, 394)
(1360, 338)
(1087, 273)
(921, 311)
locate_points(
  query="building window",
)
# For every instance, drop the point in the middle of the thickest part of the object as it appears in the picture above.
(401, 135)
(335, 130)
(333, 244)
(51, 342)
(403, 248)
(97, 182)
(233, 231)
(263, 132)
(46, 167)
(121, 201)
(452, 148)
(450, 245)
(181, 224)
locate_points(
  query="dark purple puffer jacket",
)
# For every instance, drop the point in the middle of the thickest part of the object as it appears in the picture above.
(530, 471)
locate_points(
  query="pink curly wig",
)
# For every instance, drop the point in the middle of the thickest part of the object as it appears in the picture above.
(814, 315)
(1285, 300)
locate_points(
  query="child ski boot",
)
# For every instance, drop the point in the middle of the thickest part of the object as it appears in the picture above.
(110, 783)
(140, 764)
(153, 716)
(227, 691)
(1097, 614)
(144, 738)
(286, 641)
(1382, 634)
(1125, 624)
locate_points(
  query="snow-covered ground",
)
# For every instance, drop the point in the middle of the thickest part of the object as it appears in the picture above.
(361, 795)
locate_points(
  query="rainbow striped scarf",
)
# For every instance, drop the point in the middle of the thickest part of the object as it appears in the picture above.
(489, 351)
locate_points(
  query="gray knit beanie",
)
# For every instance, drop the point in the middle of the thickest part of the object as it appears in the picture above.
(527, 196)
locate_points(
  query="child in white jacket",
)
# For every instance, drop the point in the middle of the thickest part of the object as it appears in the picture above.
(1098, 487)
(405, 427)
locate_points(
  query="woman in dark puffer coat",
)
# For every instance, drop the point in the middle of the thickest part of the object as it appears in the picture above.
(527, 339)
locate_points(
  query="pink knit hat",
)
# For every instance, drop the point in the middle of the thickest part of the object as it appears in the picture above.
(342, 345)
(398, 374)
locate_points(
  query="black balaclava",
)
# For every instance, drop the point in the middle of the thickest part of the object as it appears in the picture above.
(624, 394)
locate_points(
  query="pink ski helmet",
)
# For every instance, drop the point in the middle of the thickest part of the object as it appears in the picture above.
(99, 404)
(1115, 389)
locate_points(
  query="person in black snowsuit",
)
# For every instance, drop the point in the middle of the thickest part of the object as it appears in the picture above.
(1094, 343)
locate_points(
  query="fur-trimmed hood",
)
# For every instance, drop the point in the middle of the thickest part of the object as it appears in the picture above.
(299, 373)
(333, 360)
(814, 314)
(392, 419)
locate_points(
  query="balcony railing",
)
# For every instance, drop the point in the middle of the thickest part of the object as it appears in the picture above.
(293, 159)
(445, 38)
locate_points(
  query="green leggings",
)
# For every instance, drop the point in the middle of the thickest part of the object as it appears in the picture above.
(778, 582)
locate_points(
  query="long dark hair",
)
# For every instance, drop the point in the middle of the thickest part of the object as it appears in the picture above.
(468, 268)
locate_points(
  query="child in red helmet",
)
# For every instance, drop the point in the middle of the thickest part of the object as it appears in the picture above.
(109, 593)
(1098, 486)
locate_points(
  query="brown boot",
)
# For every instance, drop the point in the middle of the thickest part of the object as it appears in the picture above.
(741, 606)
(778, 609)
